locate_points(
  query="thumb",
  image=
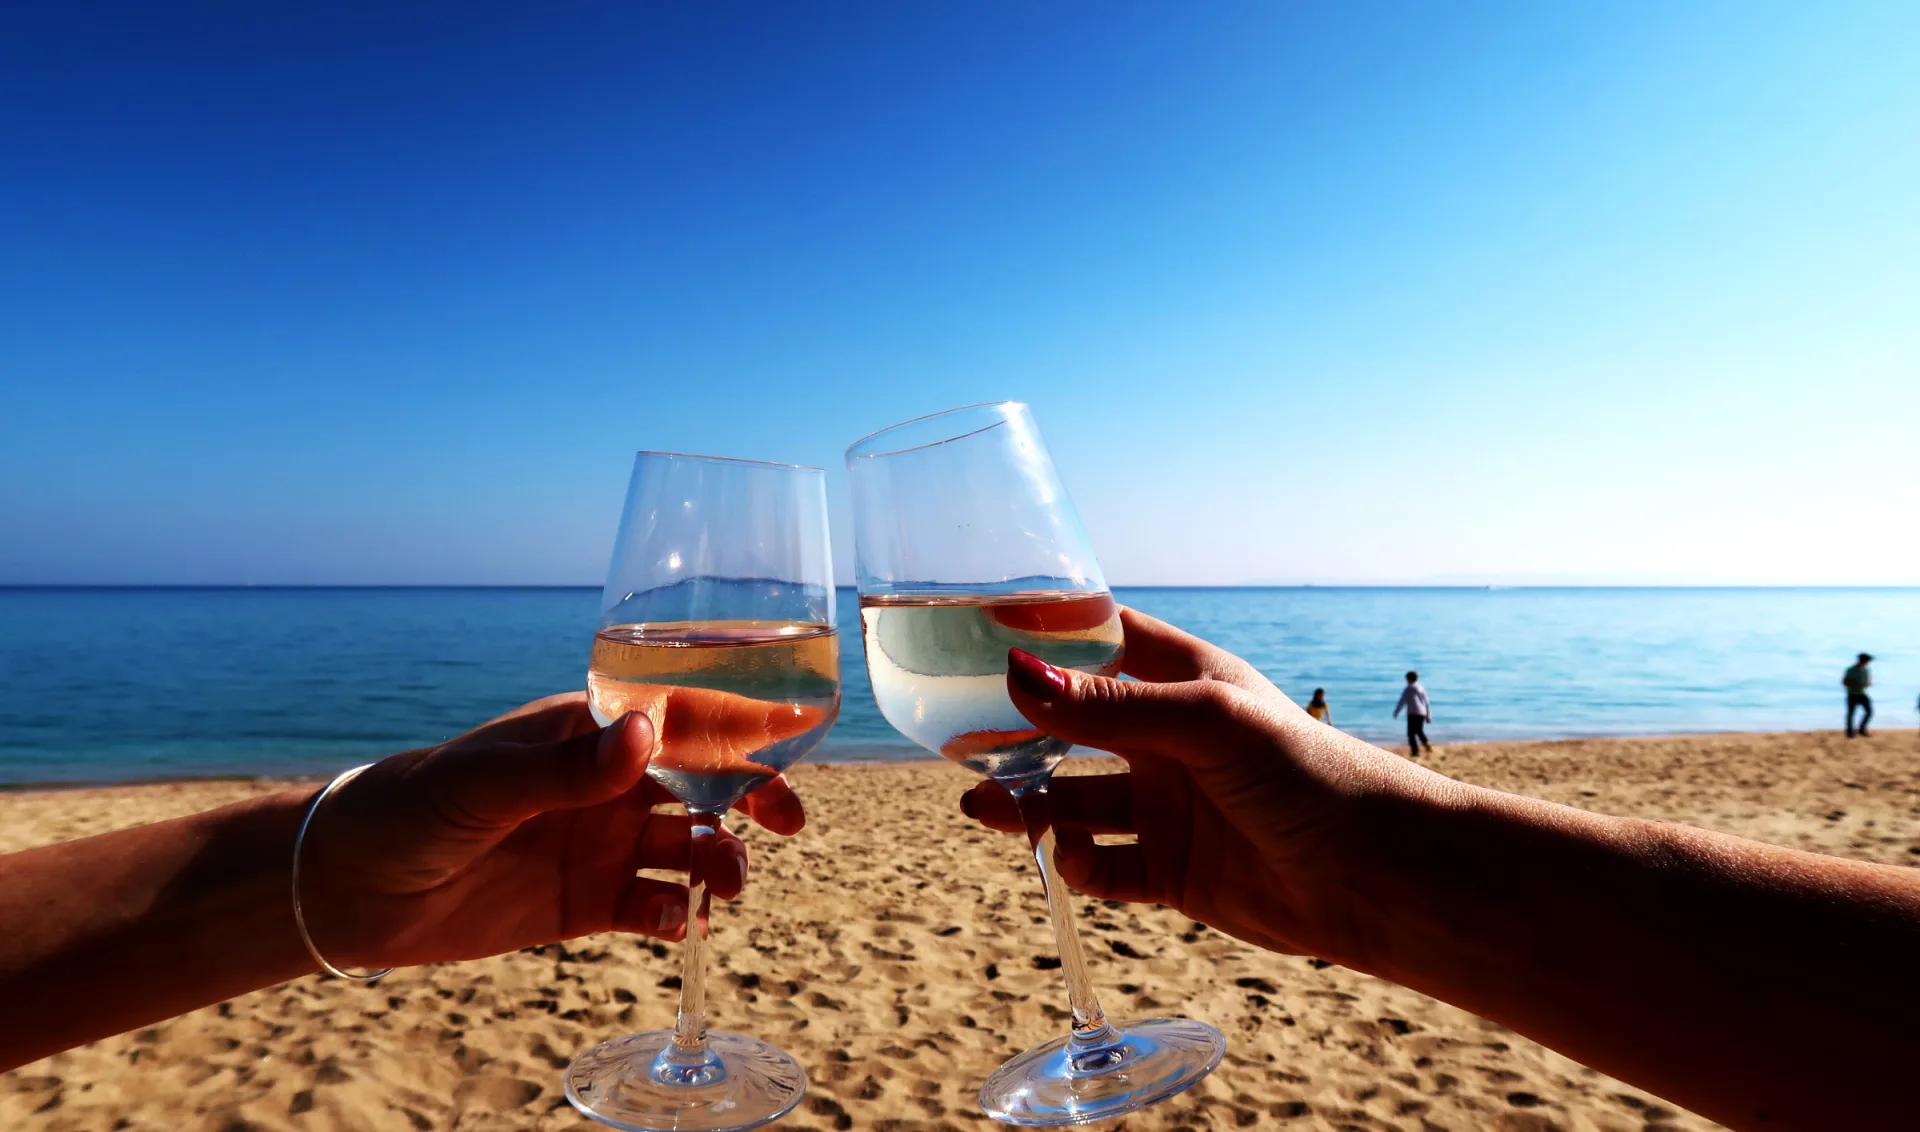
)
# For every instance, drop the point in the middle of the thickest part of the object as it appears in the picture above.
(507, 783)
(1196, 722)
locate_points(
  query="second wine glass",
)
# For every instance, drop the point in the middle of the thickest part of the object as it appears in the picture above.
(717, 623)
(967, 547)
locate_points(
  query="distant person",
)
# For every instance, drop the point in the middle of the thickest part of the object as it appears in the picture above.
(1857, 681)
(1413, 700)
(1318, 709)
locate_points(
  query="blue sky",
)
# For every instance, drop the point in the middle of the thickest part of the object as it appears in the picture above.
(1381, 292)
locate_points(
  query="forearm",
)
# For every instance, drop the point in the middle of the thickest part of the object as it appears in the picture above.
(108, 933)
(1757, 985)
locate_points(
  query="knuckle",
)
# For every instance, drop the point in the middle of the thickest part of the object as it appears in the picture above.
(1219, 696)
(1103, 692)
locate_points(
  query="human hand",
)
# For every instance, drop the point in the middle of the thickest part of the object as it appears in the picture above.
(525, 830)
(1246, 811)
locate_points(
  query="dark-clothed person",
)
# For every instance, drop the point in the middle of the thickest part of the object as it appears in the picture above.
(1857, 680)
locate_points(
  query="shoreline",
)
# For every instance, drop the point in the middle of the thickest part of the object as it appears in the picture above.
(904, 755)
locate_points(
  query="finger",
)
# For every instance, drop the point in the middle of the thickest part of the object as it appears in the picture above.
(1160, 653)
(666, 842)
(1099, 803)
(1104, 872)
(718, 860)
(989, 804)
(652, 907)
(1199, 722)
(776, 807)
(504, 784)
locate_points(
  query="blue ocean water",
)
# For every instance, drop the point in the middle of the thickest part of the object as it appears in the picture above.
(117, 684)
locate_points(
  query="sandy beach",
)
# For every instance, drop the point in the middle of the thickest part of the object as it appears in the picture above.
(893, 948)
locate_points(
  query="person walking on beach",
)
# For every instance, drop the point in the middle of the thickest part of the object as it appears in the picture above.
(1857, 681)
(1413, 700)
(1318, 709)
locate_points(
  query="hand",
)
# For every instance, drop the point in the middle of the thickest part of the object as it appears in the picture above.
(1245, 809)
(526, 830)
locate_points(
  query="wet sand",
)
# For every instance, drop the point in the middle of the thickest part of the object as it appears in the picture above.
(896, 950)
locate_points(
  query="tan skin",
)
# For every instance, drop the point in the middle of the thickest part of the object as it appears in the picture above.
(526, 830)
(1763, 987)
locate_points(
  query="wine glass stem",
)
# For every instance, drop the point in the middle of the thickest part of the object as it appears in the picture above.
(1092, 1037)
(687, 1060)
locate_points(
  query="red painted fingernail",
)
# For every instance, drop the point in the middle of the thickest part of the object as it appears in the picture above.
(1036, 677)
(966, 804)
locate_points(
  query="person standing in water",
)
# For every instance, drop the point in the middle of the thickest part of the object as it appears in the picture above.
(1413, 700)
(1318, 709)
(1857, 681)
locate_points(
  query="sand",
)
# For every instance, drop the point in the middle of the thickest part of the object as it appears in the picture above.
(893, 947)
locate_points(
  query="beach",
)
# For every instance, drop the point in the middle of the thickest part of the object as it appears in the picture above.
(893, 947)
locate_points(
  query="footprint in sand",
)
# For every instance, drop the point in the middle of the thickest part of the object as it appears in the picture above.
(495, 1094)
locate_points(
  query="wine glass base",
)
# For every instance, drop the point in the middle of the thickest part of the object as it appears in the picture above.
(1154, 1059)
(614, 1084)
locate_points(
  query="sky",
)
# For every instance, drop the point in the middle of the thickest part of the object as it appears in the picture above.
(1300, 292)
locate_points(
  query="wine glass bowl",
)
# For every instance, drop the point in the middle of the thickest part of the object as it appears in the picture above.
(733, 703)
(938, 664)
(717, 624)
(967, 547)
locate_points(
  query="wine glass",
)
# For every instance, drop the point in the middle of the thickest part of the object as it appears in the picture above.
(717, 622)
(968, 547)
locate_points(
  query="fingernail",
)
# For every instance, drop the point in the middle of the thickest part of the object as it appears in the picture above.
(1036, 677)
(672, 913)
(739, 855)
(966, 804)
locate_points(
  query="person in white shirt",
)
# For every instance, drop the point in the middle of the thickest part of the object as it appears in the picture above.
(1413, 701)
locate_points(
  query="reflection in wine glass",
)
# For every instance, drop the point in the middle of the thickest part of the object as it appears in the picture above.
(717, 623)
(968, 547)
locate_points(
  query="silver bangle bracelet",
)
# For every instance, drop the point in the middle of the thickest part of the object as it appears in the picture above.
(299, 918)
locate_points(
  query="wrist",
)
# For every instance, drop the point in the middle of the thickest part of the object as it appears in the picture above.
(1397, 865)
(245, 888)
(315, 908)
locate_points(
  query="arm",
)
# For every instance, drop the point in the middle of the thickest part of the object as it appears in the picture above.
(1401, 704)
(525, 831)
(112, 932)
(1761, 986)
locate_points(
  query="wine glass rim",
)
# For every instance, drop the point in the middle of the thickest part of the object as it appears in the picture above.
(725, 459)
(853, 455)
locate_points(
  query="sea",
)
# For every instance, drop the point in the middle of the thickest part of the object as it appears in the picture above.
(115, 685)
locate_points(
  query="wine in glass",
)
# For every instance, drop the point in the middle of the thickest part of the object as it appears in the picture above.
(717, 622)
(968, 547)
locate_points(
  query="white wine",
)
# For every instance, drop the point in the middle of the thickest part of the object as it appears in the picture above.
(733, 703)
(939, 669)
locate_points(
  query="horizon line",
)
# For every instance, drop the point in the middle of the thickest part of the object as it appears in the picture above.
(1495, 586)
